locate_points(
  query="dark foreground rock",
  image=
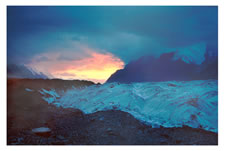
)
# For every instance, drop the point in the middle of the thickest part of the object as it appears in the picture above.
(110, 128)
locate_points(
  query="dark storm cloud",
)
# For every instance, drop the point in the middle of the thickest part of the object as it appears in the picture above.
(127, 32)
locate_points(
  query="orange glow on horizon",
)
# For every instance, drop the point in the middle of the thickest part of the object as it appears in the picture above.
(97, 67)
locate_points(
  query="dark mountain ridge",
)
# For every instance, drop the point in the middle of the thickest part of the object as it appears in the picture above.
(165, 68)
(57, 84)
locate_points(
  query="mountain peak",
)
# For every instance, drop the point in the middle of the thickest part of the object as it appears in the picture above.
(21, 71)
(192, 54)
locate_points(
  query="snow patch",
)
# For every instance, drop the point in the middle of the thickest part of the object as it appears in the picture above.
(29, 90)
(41, 130)
(192, 54)
(50, 95)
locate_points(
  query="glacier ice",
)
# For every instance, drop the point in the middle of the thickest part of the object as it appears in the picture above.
(29, 90)
(170, 104)
(41, 130)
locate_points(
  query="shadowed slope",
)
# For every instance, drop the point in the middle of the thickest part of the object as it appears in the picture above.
(164, 68)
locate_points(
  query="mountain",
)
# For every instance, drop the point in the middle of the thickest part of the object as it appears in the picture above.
(166, 68)
(21, 71)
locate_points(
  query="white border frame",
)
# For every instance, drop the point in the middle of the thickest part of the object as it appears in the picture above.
(221, 8)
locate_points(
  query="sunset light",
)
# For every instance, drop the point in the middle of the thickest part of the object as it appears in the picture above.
(96, 67)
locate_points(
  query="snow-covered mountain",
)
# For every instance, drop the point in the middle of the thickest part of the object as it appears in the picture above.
(169, 104)
(21, 71)
(194, 54)
(169, 66)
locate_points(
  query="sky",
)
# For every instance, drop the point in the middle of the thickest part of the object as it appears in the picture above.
(92, 42)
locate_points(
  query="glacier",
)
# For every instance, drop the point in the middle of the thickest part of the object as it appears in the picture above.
(168, 104)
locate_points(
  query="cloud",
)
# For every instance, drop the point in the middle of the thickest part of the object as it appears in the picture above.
(95, 66)
(64, 57)
(65, 75)
(125, 32)
(42, 58)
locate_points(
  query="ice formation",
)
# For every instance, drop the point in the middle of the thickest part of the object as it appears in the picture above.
(170, 104)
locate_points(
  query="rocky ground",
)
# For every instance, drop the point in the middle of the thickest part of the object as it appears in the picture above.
(108, 128)
(72, 127)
